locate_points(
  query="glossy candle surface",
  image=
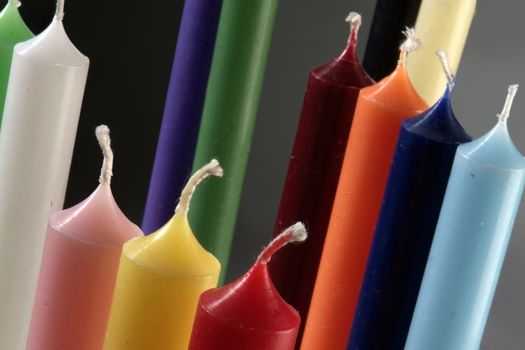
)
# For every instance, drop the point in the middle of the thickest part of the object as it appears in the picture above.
(473, 231)
(441, 25)
(382, 49)
(232, 99)
(416, 186)
(313, 171)
(12, 31)
(248, 313)
(379, 112)
(46, 86)
(160, 279)
(183, 109)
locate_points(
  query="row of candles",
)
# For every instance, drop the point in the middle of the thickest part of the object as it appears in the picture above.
(413, 187)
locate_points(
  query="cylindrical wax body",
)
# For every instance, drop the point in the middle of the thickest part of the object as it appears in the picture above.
(313, 172)
(441, 25)
(391, 17)
(160, 279)
(78, 272)
(232, 98)
(378, 115)
(43, 101)
(12, 31)
(416, 186)
(183, 109)
(246, 314)
(472, 234)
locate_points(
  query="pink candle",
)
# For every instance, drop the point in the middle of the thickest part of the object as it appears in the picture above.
(79, 267)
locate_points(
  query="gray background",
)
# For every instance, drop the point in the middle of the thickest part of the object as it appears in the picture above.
(131, 46)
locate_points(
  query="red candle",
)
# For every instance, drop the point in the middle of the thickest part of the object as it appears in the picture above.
(249, 313)
(314, 168)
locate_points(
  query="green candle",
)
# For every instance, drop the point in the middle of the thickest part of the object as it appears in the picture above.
(232, 98)
(12, 31)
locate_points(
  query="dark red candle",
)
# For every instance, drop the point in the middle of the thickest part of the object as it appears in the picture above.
(249, 313)
(314, 168)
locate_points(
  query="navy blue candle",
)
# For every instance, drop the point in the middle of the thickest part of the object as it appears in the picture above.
(183, 110)
(405, 229)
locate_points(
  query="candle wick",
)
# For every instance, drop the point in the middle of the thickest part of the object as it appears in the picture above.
(410, 44)
(102, 133)
(294, 233)
(511, 92)
(451, 78)
(59, 12)
(212, 168)
(354, 19)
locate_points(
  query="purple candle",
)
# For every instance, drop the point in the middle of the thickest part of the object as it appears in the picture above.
(183, 109)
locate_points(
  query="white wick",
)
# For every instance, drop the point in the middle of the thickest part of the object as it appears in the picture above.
(410, 44)
(212, 168)
(354, 19)
(443, 58)
(59, 12)
(102, 133)
(15, 3)
(511, 92)
(295, 233)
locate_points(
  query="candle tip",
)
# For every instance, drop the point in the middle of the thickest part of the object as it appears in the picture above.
(15, 3)
(411, 43)
(213, 168)
(294, 233)
(443, 58)
(511, 93)
(59, 12)
(104, 140)
(354, 19)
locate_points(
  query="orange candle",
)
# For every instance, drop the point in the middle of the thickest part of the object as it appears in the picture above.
(378, 115)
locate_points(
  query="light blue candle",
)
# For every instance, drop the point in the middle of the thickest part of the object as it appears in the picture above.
(472, 234)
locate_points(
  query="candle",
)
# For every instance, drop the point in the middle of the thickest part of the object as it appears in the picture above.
(12, 31)
(441, 25)
(474, 227)
(232, 98)
(182, 112)
(249, 313)
(159, 281)
(314, 167)
(79, 267)
(42, 107)
(407, 222)
(390, 18)
(378, 115)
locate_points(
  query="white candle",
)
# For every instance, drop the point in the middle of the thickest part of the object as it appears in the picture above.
(43, 101)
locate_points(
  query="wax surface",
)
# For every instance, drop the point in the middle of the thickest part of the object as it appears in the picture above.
(46, 86)
(473, 231)
(12, 31)
(441, 25)
(232, 98)
(183, 109)
(78, 272)
(313, 171)
(416, 186)
(391, 17)
(160, 279)
(378, 115)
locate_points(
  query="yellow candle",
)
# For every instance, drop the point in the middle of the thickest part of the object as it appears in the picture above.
(160, 279)
(441, 25)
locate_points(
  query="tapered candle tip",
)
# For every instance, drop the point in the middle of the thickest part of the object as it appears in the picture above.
(15, 3)
(59, 12)
(104, 140)
(511, 92)
(213, 168)
(411, 43)
(294, 233)
(443, 58)
(354, 19)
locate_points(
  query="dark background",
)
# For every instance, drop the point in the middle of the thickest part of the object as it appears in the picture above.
(131, 46)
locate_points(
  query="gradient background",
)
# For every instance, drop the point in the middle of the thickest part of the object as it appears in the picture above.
(131, 46)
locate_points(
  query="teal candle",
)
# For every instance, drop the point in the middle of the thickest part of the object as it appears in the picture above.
(472, 234)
